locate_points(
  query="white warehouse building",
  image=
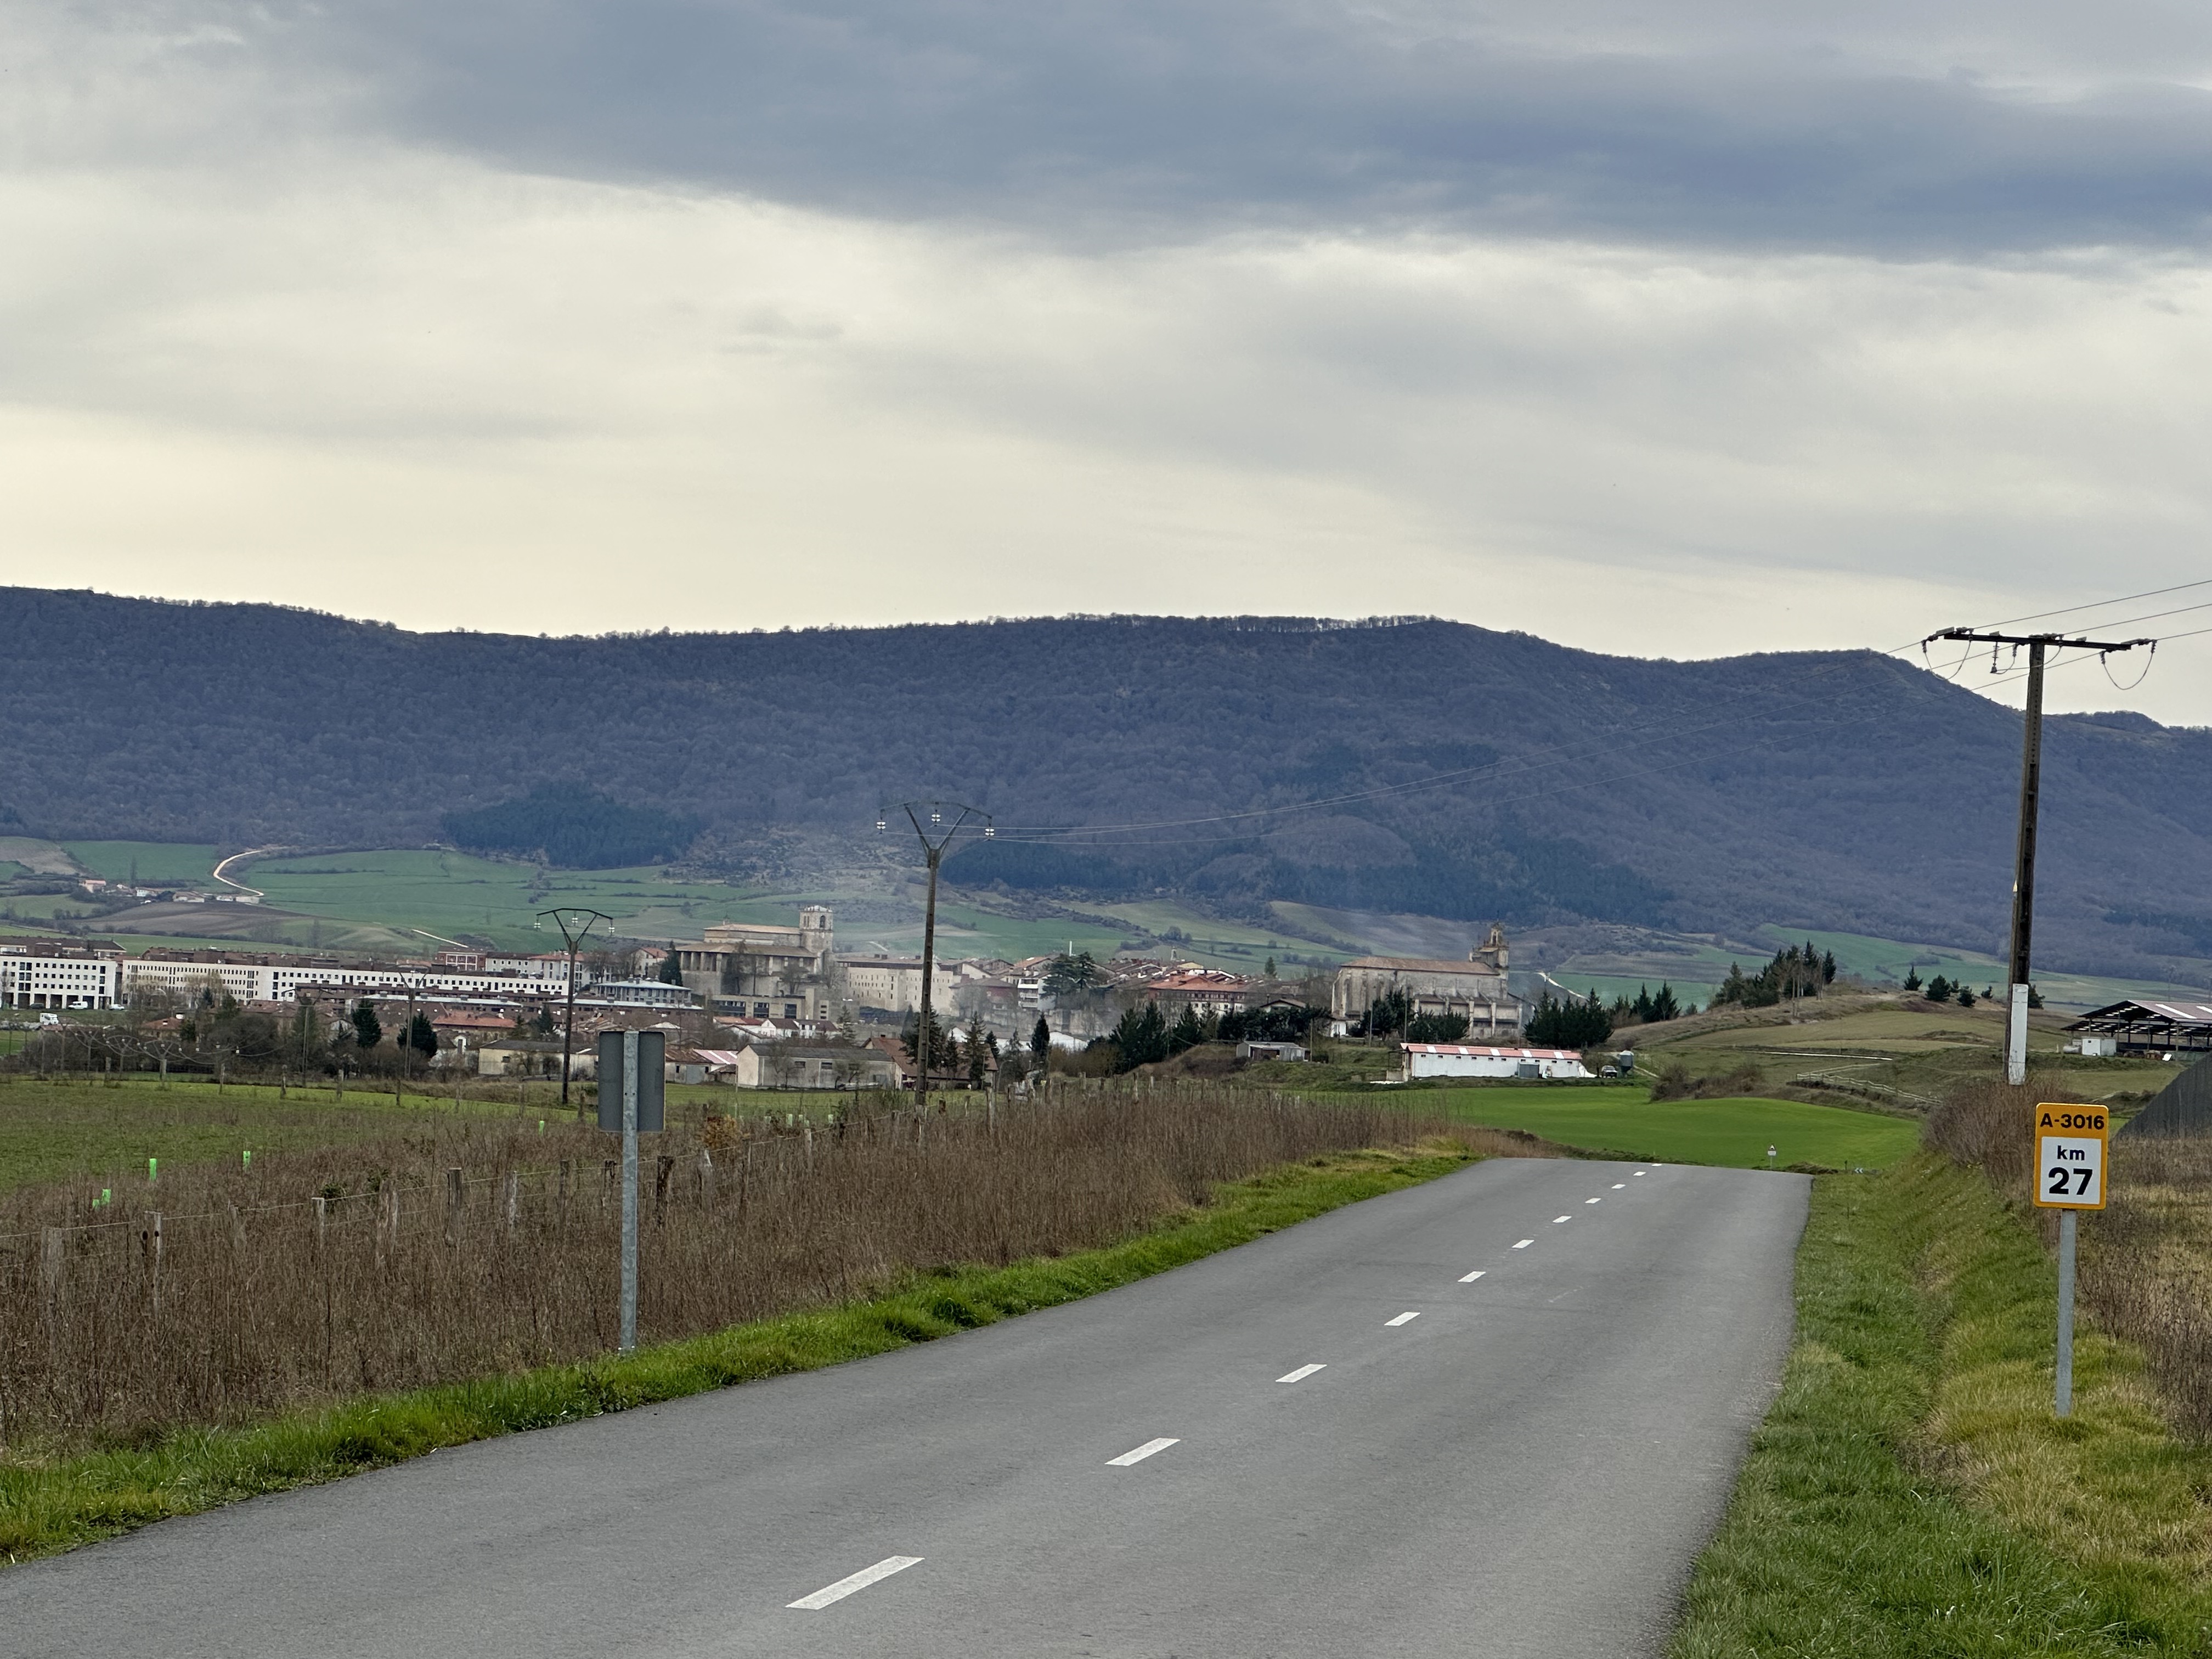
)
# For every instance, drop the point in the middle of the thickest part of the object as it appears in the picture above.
(1466, 1059)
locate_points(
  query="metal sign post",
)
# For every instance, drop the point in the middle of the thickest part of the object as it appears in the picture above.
(2071, 1142)
(632, 1071)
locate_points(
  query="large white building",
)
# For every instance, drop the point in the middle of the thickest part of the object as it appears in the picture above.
(894, 984)
(29, 980)
(279, 979)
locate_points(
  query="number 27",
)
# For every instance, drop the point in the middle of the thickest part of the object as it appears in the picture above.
(2057, 1188)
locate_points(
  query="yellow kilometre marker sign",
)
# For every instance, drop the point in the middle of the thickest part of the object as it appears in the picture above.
(2069, 1157)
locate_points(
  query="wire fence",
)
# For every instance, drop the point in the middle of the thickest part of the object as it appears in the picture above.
(469, 1246)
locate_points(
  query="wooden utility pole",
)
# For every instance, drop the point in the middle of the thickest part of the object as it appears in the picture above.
(2031, 784)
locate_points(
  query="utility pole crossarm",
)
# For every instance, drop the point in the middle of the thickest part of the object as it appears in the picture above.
(1976, 636)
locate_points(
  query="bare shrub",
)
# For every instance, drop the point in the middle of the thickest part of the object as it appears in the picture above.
(1990, 1126)
(1675, 1083)
(471, 1247)
(2146, 1265)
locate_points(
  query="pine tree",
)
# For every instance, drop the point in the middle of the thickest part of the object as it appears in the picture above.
(671, 967)
(979, 1056)
(367, 1029)
(1939, 989)
(1269, 971)
(1664, 1007)
(1041, 1045)
(1911, 979)
(1188, 1033)
(1828, 969)
(422, 1036)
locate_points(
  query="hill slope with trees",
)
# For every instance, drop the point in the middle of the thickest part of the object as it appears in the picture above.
(1407, 765)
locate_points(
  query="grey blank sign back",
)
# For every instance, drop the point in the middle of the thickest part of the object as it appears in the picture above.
(652, 1047)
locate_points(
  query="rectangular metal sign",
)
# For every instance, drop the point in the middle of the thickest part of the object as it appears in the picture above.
(2070, 1146)
(651, 1077)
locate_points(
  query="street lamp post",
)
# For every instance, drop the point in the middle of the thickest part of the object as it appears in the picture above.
(934, 840)
(574, 942)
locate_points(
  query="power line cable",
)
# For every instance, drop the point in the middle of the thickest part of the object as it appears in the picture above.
(2099, 604)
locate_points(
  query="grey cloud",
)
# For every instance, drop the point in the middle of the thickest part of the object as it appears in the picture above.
(1156, 120)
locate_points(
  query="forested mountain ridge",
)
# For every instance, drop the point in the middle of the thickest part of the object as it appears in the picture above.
(1844, 790)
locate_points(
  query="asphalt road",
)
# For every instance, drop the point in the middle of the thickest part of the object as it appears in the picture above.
(1520, 1464)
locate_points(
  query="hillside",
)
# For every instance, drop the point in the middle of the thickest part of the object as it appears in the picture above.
(1846, 791)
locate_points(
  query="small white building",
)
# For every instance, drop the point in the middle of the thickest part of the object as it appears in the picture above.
(1466, 1059)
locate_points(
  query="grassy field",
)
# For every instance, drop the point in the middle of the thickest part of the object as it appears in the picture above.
(1731, 1133)
(1910, 1495)
(103, 1134)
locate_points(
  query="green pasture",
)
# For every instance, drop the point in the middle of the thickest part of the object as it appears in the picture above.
(104, 1134)
(1735, 1133)
(159, 863)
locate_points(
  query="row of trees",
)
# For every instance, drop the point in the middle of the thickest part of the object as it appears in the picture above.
(1143, 1036)
(1570, 1022)
(1940, 989)
(1796, 971)
(1649, 1010)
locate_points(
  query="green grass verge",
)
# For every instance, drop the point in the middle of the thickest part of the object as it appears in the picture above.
(57, 1506)
(1909, 1493)
(1733, 1133)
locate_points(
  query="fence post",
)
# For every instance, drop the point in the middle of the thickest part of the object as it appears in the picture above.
(562, 1218)
(664, 1167)
(322, 1220)
(51, 1247)
(392, 1210)
(454, 1193)
(237, 1227)
(807, 1130)
(150, 1241)
(706, 1180)
(514, 1199)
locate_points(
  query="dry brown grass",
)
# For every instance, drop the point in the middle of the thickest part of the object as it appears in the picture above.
(470, 1247)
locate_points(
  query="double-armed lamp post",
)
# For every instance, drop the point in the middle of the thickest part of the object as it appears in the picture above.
(936, 836)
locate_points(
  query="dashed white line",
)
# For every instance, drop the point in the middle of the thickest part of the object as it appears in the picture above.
(1617, 1185)
(1524, 1243)
(1639, 1172)
(860, 1580)
(1556, 1219)
(1470, 1279)
(1403, 1319)
(1303, 1372)
(1593, 1200)
(1139, 1455)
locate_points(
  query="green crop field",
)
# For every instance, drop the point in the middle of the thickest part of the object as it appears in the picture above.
(104, 1134)
(1734, 1133)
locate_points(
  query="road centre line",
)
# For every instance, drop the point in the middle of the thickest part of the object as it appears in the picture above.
(1594, 1200)
(1619, 1185)
(1470, 1279)
(1556, 1219)
(1139, 1455)
(860, 1580)
(1402, 1319)
(1302, 1372)
(1524, 1243)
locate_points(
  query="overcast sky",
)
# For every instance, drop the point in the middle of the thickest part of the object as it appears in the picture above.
(1678, 330)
